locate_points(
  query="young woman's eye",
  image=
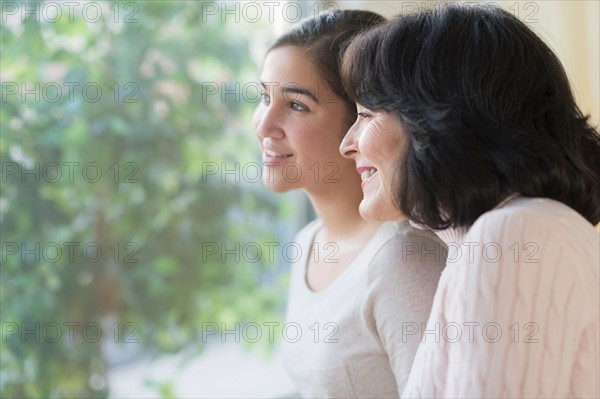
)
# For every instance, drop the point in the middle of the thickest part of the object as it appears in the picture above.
(298, 107)
(363, 114)
(265, 98)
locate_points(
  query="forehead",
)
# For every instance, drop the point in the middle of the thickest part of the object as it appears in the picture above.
(290, 65)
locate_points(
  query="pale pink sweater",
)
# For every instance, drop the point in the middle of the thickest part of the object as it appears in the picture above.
(517, 309)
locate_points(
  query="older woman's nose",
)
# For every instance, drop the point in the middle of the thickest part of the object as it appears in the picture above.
(349, 145)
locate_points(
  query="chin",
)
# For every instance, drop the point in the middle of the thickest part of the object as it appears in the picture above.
(367, 213)
(380, 212)
(278, 186)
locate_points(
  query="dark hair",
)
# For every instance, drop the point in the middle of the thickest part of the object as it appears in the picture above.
(325, 38)
(487, 109)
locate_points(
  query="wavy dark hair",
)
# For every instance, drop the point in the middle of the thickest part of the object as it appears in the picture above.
(325, 37)
(487, 109)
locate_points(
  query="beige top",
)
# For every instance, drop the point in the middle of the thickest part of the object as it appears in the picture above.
(517, 311)
(354, 338)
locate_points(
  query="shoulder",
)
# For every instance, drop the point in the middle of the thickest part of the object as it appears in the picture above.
(530, 245)
(403, 277)
(407, 254)
(536, 220)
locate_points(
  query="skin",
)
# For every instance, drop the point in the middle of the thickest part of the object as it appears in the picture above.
(305, 126)
(303, 121)
(374, 142)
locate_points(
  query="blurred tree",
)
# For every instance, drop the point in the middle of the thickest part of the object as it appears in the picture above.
(134, 170)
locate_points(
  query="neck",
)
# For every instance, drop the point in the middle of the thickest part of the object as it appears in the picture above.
(340, 217)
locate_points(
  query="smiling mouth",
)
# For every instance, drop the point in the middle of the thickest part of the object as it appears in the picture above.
(274, 154)
(367, 173)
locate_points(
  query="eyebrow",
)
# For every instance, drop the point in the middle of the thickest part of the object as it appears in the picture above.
(289, 88)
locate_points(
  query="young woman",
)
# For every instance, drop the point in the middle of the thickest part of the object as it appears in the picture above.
(360, 287)
(467, 117)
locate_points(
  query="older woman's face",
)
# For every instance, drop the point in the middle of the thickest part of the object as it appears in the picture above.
(375, 142)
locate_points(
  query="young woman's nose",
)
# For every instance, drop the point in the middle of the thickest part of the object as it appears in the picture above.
(267, 121)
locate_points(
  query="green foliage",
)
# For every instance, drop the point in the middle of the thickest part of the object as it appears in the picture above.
(152, 134)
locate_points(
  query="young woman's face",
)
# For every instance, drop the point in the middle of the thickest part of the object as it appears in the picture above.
(299, 124)
(375, 142)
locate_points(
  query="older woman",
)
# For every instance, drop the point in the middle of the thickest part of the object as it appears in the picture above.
(467, 124)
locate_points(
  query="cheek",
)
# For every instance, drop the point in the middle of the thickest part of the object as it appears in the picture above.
(369, 146)
(388, 148)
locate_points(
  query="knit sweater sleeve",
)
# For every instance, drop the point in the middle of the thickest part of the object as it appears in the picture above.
(516, 313)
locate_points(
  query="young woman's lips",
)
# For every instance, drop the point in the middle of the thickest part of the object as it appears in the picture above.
(366, 173)
(272, 157)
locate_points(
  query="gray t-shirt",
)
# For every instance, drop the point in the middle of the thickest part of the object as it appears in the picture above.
(359, 336)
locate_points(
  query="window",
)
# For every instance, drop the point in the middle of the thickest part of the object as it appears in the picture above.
(136, 232)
